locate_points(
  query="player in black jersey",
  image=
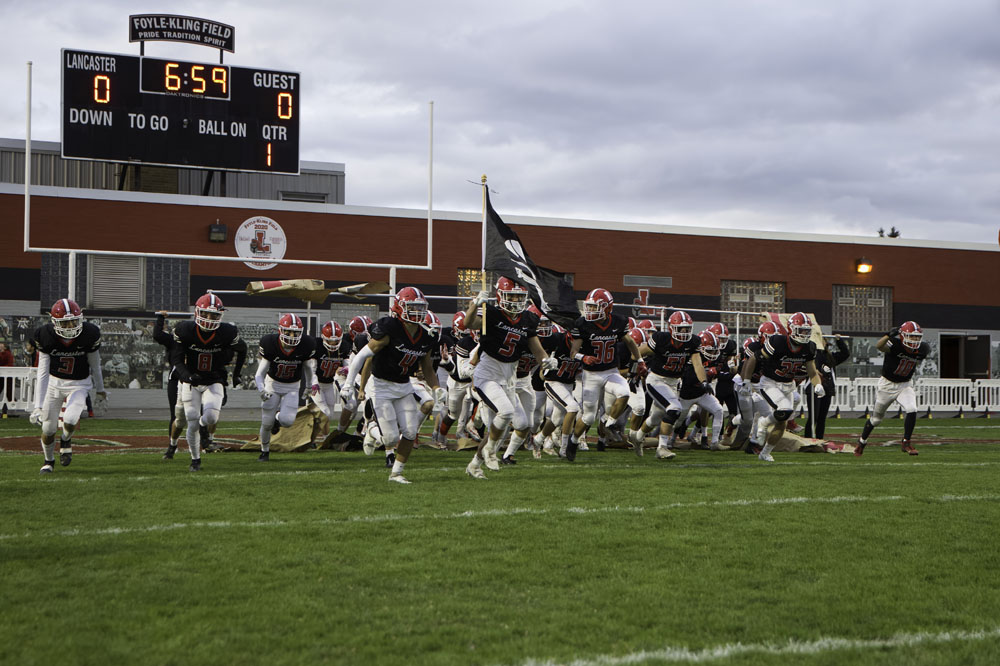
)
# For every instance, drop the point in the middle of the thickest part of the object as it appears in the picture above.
(508, 330)
(826, 362)
(636, 382)
(669, 352)
(559, 386)
(399, 346)
(69, 366)
(781, 359)
(904, 350)
(459, 379)
(595, 338)
(199, 354)
(176, 425)
(330, 354)
(285, 358)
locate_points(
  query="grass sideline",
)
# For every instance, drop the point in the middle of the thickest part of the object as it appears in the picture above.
(315, 558)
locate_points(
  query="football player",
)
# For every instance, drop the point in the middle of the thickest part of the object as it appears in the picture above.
(399, 345)
(201, 349)
(636, 383)
(695, 392)
(285, 358)
(904, 350)
(330, 355)
(595, 343)
(826, 361)
(669, 352)
(508, 330)
(781, 358)
(459, 378)
(560, 390)
(177, 422)
(69, 366)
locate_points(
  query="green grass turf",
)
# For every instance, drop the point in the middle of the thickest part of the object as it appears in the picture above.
(315, 558)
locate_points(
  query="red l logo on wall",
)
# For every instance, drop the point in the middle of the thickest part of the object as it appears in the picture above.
(641, 301)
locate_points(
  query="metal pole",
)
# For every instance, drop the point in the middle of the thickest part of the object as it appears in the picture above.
(71, 278)
(27, 165)
(430, 189)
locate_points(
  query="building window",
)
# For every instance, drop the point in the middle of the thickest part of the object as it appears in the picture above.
(306, 197)
(750, 296)
(861, 309)
(648, 281)
(470, 281)
(116, 283)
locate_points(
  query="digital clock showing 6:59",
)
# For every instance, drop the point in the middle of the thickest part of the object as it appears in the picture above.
(124, 108)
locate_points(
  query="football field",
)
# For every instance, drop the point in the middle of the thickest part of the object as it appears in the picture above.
(714, 557)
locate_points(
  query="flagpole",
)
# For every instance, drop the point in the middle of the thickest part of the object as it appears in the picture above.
(482, 263)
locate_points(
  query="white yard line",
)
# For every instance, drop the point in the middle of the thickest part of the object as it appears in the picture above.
(492, 513)
(791, 647)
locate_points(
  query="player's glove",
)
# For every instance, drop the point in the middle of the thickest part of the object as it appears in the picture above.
(347, 394)
(549, 364)
(36, 417)
(441, 395)
(737, 381)
(819, 391)
(640, 369)
(314, 389)
(481, 297)
(708, 388)
(590, 360)
(265, 396)
(194, 379)
(236, 381)
(893, 332)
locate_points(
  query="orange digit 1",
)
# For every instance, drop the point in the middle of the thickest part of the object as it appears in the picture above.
(268, 153)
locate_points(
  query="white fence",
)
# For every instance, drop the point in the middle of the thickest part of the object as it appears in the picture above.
(17, 391)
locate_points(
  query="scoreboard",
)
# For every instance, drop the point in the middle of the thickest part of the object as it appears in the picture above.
(123, 108)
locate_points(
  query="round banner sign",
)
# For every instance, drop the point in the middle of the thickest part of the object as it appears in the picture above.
(260, 238)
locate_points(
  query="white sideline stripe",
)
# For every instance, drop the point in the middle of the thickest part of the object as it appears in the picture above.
(490, 513)
(790, 647)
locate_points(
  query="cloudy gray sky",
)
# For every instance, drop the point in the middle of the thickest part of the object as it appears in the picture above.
(786, 115)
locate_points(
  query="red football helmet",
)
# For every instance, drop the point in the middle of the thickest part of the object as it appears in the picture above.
(721, 333)
(332, 335)
(638, 334)
(680, 325)
(544, 323)
(632, 323)
(433, 324)
(799, 327)
(290, 329)
(647, 325)
(556, 328)
(766, 330)
(512, 298)
(458, 322)
(911, 334)
(708, 345)
(597, 305)
(208, 312)
(410, 305)
(67, 318)
(357, 326)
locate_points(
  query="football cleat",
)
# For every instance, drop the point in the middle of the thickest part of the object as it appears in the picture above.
(490, 458)
(766, 457)
(398, 478)
(169, 453)
(571, 449)
(663, 453)
(48, 467)
(508, 460)
(549, 448)
(859, 448)
(908, 448)
(390, 459)
(212, 447)
(753, 448)
(65, 459)
(474, 471)
(264, 456)
(195, 465)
